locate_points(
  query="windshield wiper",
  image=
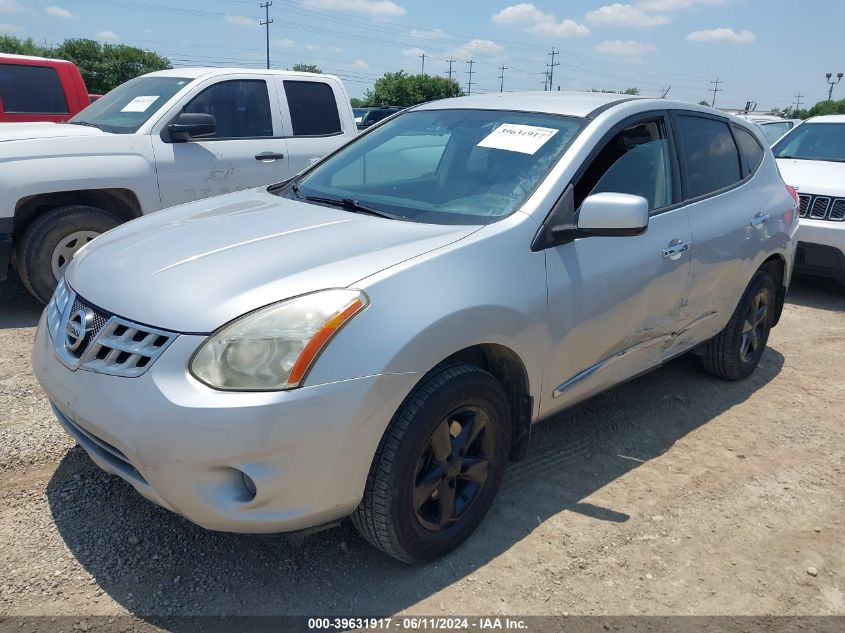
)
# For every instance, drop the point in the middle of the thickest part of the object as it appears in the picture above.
(352, 205)
(85, 123)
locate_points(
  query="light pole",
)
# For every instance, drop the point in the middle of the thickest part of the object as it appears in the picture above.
(832, 84)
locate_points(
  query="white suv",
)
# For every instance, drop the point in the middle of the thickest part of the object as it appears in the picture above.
(811, 158)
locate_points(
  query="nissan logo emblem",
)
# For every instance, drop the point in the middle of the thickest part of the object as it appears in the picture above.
(78, 326)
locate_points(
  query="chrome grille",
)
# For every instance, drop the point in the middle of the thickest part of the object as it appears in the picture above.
(803, 205)
(821, 207)
(110, 344)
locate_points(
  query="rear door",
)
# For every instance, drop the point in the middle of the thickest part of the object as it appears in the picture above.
(614, 302)
(727, 214)
(247, 149)
(312, 122)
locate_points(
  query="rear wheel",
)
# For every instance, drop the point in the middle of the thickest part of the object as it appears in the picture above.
(439, 465)
(51, 240)
(734, 353)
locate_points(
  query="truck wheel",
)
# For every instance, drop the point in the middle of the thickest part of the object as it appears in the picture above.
(49, 242)
(438, 466)
(734, 353)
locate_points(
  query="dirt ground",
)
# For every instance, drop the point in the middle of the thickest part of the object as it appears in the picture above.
(673, 494)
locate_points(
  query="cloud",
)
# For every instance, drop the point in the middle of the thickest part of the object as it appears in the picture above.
(282, 42)
(107, 35)
(240, 20)
(477, 48)
(374, 8)
(10, 28)
(435, 34)
(527, 15)
(313, 47)
(58, 12)
(412, 52)
(625, 15)
(10, 6)
(674, 5)
(624, 48)
(336, 49)
(722, 35)
(360, 63)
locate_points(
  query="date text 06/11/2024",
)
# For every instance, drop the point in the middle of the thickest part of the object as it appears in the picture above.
(419, 623)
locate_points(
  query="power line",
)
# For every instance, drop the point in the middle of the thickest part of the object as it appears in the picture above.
(552, 68)
(266, 24)
(716, 89)
(502, 68)
(469, 72)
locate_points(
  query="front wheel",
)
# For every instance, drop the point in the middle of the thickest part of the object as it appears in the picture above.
(733, 354)
(51, 240)
(438, 466)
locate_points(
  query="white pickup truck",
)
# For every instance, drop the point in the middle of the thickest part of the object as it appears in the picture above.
(156, 141)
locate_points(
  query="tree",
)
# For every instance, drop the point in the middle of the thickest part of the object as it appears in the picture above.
(103, 66)
(704, 103)
(631, 91)
(827, 107)
(407, 90)
(356, 102)
(307, 68)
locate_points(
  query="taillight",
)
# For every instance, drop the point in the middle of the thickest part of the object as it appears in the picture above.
(792, 213)
(793, 193)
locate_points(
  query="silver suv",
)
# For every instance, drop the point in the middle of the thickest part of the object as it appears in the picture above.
(376, 336)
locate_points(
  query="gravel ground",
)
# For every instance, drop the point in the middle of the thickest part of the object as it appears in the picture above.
(673, 494)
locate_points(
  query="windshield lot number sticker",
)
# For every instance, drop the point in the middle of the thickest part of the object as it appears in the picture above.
(139, 104)
(526, 139)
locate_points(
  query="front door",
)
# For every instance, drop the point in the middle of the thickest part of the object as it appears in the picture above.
(246, 150)
(614, 302)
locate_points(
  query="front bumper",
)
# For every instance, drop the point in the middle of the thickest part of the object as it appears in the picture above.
(821, 248)
(187, 447)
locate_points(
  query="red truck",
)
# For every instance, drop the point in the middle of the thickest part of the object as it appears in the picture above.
(40, 89)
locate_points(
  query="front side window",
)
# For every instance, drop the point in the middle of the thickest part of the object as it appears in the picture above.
(130, 105)
(710, 153)
(445, 166)
(635, 161)
(813, 141)
(31, 90)
(313, 108)
(240, 107)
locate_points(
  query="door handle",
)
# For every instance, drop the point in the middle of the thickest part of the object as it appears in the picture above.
(675, 249)
(269, 157)
(759, 220)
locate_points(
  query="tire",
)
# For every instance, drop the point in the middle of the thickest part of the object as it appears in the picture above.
(734, 353)
(47, 242)
(388, 516)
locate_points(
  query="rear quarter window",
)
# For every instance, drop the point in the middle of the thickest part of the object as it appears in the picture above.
(313, 108)
(710, 155)
(31, 90)
(752, 152)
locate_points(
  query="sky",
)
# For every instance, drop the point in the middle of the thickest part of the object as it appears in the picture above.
(767, 52)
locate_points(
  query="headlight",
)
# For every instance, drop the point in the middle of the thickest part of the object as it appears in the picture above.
(56, 308)
(272, 348)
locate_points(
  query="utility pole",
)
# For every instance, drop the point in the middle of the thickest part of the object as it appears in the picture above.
(665, 92)
(469, 72)
(716, 89)
(266, 24)
(798, 99)
(552, 68)
(832, 84)
(423, 56)
(546, 80)
(451, 61)
(502, 68)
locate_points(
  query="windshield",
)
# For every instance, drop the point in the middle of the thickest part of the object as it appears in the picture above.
(444, 166)
(127, 107)
(773, 131)
(813, 141)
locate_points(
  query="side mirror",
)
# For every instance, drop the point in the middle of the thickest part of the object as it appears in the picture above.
(613, 214)
(191, 125)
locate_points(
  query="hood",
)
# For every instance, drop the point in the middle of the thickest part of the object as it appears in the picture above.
(27, 131)
(195, 267)
(821, 177)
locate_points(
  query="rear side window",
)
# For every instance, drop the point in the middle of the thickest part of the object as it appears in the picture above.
(710, 153)
(313, 109)
(752, 153)
(241, 108)
(31, 90)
